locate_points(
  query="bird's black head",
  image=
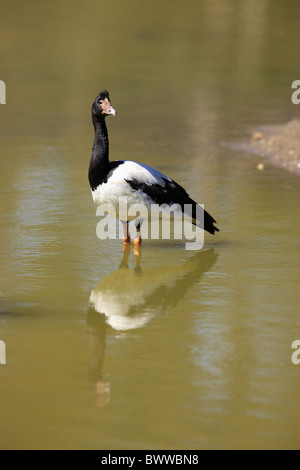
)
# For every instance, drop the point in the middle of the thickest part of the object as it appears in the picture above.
(102, 105)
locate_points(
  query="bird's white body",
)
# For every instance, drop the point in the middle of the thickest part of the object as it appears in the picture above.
(117, 188)
(117, 185)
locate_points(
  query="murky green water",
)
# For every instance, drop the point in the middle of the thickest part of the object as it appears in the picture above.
(191, 350)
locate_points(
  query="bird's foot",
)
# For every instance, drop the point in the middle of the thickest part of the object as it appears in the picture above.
(137, 241)
(126, 240)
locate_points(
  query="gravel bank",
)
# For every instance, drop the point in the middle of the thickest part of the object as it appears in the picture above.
(277, 144)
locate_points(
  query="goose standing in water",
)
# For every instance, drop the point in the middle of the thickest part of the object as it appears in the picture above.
(140, 183)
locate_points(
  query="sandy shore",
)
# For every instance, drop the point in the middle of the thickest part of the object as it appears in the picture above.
(279, 145)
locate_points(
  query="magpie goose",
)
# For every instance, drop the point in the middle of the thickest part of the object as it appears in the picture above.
(140, 183)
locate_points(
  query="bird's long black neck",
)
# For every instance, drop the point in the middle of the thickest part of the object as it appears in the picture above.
(100, 153)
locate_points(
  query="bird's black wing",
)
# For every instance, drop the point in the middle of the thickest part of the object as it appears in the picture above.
(173, 193)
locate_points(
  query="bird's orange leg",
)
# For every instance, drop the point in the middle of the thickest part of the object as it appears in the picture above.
(138, 240)
(126, 237)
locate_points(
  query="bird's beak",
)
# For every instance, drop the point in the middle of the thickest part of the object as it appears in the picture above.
(112, 111)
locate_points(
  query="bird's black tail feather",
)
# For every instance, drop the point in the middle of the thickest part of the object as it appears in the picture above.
(209, 221)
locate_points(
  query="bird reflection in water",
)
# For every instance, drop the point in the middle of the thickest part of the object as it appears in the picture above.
(130, 298)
